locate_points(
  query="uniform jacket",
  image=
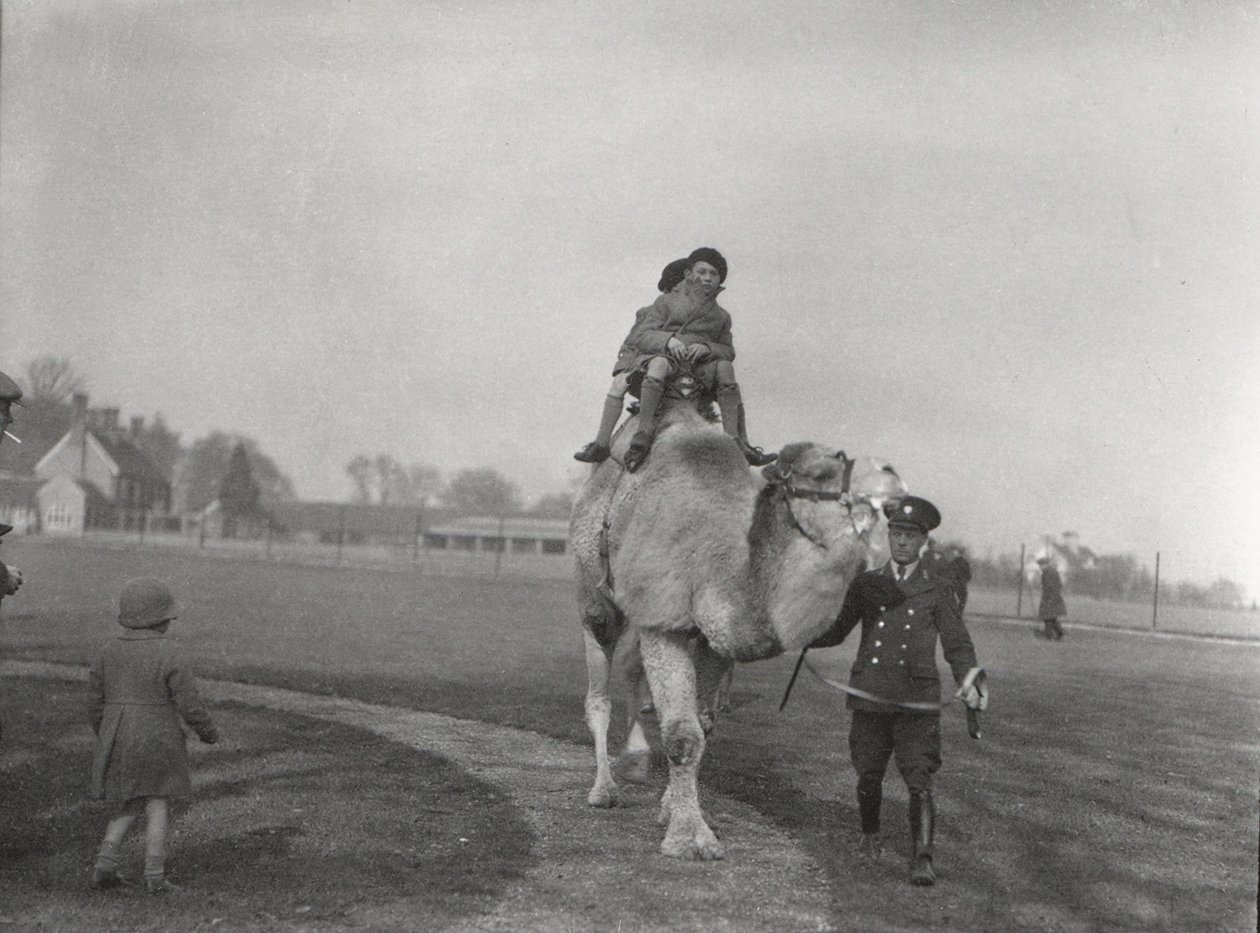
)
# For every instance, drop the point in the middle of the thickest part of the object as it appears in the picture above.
(684, 313)
(901, 623)
(1052, 605)
(141, 686)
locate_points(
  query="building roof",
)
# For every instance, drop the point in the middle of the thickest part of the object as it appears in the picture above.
(130, 459)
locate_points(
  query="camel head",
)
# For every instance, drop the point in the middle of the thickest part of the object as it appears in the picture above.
(816, 473)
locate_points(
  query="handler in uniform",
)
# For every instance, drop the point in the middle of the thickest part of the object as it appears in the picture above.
(904, 607)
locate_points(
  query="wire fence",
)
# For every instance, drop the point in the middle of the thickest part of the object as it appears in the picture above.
(1001, 588)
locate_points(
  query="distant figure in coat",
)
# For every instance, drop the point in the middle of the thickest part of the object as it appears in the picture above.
(1052, 606)
(958, 570)
(141, 687)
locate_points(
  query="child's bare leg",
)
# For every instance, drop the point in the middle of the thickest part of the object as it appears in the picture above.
(650, 392)
(156, 815)
(597, 450)
(732, 407)
(105, 872)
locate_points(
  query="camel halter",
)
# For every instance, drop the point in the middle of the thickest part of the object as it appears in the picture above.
(844, 497)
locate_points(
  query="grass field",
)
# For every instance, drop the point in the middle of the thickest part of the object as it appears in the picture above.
(1115, 787)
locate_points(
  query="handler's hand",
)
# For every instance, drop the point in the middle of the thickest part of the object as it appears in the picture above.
(969, 695)
(676, 348)
(13, 582)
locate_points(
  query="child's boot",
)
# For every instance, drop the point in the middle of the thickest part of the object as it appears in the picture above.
(105, 872)
(650, 393)
(160, 884)
(597, 450)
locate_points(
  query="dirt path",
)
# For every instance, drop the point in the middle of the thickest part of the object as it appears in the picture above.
(593, 869)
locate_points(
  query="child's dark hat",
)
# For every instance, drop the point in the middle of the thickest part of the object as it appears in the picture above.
(672, 274)
(712, 257)
(5, 529)
(146, 602)
(913, 512)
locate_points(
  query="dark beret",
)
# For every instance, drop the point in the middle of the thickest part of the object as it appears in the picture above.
(712, 257)
(671, 275)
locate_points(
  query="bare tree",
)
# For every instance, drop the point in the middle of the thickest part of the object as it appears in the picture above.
(482, 491)
(52, 379)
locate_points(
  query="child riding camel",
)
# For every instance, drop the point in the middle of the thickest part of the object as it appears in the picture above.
(685, 324)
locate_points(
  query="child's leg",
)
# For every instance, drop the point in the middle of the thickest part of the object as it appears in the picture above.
(731, 405)
(155, 831)
(597, 450)
(650, 392)
(105, 871)
(613, 402)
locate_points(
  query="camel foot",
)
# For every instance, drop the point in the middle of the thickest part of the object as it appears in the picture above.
(604, 796)
(634, 767)
(693, 841)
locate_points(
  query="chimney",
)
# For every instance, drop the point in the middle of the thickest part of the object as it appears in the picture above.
(137, 425)
(79, 418)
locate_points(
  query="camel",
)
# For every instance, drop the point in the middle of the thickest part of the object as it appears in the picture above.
(704, 568)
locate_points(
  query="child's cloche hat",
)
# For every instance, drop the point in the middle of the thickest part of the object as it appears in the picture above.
(146, 602)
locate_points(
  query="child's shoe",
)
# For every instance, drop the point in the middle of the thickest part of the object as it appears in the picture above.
(637, 452)
(594, 452)
(105, 878)
(755, 455)
(160, 885)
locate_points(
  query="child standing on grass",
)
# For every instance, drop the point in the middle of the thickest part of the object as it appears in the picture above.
(140, 688)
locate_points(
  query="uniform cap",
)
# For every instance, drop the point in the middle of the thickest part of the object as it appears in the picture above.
(712, 257)
(671, 275)
(914, 512)
(5, 529)
(146, 602)
(9, 391)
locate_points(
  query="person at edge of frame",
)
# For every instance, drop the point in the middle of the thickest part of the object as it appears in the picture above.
(10, 576)
(903, 608)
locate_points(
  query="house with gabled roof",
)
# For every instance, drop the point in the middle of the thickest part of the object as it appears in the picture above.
(96, 476)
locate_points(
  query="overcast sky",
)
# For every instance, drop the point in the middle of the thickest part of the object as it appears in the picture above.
(1011, 247)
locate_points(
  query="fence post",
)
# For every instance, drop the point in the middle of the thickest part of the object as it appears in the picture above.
(415, 544)
(201, 530)
(498, 551)
(267, 550)
(143, 521)
(1019, 600)
(1155, 601)
(341, 531)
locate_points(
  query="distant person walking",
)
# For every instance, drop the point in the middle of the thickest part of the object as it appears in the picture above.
(141, 687)
(1052, 605)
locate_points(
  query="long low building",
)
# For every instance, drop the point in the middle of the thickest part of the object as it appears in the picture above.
(515, 535)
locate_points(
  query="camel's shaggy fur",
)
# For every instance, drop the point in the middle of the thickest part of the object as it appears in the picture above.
(708, 569)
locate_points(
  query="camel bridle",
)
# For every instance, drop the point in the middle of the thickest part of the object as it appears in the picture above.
(791, 491)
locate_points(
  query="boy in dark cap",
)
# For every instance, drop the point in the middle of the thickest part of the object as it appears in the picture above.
(685, 324)
(903, 606)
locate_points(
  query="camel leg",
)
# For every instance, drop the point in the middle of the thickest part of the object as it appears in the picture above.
(671, 672)
(598, 716)
(634, 762)
(712, 670)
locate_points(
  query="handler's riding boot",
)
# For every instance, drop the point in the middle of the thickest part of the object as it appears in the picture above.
(650, 392)
(922, 828)
(870, 796)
